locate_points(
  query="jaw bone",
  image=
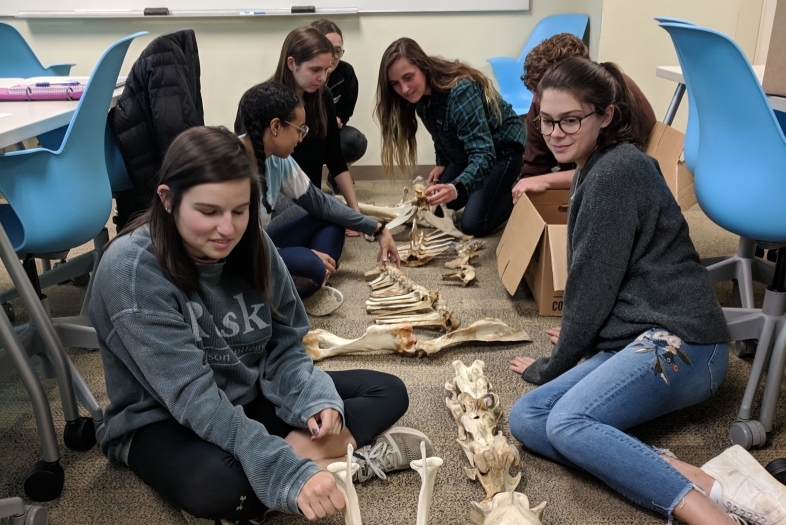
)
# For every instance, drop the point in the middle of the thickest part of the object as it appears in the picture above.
(476, 411)
(427, 468)
(342, 472)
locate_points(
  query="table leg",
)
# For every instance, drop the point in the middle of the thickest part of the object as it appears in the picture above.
(674, 105)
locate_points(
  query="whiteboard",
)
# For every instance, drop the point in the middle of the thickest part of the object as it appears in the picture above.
(135, 8)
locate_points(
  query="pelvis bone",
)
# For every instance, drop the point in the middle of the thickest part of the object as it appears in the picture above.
(399, 338)
(476, 411)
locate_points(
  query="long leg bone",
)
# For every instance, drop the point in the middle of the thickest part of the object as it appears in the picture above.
(487, 330)
(321, 344)
(342, 471)
(427, 468)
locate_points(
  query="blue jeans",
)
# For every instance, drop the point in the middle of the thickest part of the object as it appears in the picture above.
(490, 206)
(579, 419)
(295, 240)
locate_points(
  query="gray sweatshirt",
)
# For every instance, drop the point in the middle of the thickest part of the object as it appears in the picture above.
(199, 357)
(631, 265)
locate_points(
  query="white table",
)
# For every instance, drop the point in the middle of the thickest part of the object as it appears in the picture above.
(674, 73)
(30, 119)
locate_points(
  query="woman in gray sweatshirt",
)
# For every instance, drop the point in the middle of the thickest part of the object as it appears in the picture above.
(213, 400)
(638, 306)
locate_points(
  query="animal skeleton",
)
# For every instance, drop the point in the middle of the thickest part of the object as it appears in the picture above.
(477, 412)
(399, 338)
(396, 298)
(427, 468)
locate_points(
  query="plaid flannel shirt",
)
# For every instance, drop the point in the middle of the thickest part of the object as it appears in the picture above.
(466, 133)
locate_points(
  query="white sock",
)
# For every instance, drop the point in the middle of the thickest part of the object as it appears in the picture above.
(716, 494)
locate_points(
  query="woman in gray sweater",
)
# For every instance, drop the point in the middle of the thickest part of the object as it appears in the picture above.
(214, 402)
(638, 306)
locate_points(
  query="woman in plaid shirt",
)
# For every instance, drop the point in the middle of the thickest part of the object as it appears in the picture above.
(478, 138)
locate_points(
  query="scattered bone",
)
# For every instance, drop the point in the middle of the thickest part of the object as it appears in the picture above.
(427, 468)
(399, 338)
(477, 412)
(342, 471)
(465, 275)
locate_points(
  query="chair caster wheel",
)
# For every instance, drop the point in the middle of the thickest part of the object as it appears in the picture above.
(745, 348)
(44, 481)
(777, 467)
(748, 434)
(80, 434)
(9, 311)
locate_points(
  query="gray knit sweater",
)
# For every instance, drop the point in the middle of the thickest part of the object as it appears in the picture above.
(199, 357)
(631, 265)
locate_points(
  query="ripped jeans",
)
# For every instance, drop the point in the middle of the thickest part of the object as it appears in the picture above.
(579, 419)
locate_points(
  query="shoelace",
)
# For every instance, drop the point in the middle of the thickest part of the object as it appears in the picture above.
(744, 517)
(380, 458)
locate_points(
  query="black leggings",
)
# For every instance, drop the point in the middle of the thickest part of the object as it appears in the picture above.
(208, 482)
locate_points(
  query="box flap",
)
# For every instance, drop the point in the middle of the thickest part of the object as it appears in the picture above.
(518, 243)
(665, 145)
(558, 242)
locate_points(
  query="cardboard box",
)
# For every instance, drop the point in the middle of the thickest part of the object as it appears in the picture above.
(534, 246)
(774, 81)
(665, 145)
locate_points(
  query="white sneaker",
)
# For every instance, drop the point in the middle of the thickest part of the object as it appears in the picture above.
(193, 520)
(391, 450)
(749, 491)
(325, 301)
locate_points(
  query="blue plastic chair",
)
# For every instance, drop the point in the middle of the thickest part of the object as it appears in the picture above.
(19, 60)
(509, 70)
(58, 200)
(743, 267)
(742, 189)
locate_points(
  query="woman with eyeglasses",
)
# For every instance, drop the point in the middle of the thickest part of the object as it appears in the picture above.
(343, 86)
(478, 138)
(273, 120)
(638, 306)
(541, 171)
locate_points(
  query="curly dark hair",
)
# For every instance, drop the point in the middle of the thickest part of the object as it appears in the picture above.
(600, 86)
(258, 107)
(547, 54)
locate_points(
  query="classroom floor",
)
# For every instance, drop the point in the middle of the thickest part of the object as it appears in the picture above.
(97, 492)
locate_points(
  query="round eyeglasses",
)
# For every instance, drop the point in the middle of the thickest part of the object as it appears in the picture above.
(303, 130)
(338, 52)
(568, 125)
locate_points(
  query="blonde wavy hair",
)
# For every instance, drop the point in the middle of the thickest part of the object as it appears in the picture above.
(396, 116)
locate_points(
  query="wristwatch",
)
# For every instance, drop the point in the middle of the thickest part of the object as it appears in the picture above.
(375, 236)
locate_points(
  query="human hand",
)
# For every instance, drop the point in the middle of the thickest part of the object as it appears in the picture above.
(352, 233)
(320, 496)
(330, 264)
(553, 334)
(387, 248)
(519, 363)
(435, 174)
(324, 424)
(441, 194)
(340, 124)
(537, 184)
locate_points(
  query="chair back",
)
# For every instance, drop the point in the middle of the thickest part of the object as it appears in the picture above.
(508, 71)
(61, 199)
(740, 166)
(19, 60)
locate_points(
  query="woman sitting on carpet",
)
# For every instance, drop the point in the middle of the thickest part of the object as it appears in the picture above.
(214, 402)
(273, 119)
(639, 306)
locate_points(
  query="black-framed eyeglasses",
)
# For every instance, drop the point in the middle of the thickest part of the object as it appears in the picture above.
(568, 125)
(303, 130)
(338, 52)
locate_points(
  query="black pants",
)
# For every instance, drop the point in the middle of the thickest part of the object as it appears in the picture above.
(208, 482)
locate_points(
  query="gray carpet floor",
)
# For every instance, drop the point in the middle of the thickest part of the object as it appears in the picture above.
(97, 492)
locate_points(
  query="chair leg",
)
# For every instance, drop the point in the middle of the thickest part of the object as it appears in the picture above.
(742, 267)
(772, 387)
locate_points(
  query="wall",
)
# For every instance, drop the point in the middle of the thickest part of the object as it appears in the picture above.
(630, 37)
(236, 53)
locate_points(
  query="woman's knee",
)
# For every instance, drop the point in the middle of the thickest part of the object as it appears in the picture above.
(562, 427)
(394, 391)
(215, 491)
(353, 144)
(527, 418)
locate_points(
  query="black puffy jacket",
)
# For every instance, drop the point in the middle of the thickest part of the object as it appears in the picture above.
(162, 97)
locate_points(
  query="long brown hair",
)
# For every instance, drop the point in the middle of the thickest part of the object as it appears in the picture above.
(396, 116)
(601, 86)
(303, 44)
(204, 155)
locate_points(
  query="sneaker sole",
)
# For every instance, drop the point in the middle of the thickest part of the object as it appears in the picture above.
(325, 305)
